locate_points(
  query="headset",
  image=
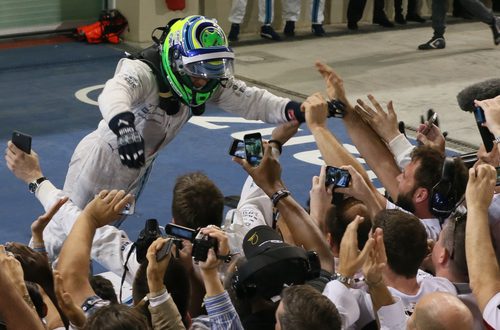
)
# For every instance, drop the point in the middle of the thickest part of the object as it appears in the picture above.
(268, 272)
(444, 197)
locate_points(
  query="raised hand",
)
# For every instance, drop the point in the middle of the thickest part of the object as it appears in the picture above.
(385, 124)
(107, 206)
(25, 167)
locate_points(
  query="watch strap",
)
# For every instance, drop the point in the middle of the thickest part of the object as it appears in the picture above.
(343, 279)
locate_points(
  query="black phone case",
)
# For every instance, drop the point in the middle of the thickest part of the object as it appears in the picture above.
(22, 141)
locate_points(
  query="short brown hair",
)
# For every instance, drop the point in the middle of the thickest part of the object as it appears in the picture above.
(405, 241)
(306, 308)
(116, 316)
(197, 202)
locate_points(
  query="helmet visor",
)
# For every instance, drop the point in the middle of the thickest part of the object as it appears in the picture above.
(211, 69)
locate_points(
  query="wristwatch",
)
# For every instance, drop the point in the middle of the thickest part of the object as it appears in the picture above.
(343, 279)
(33, 186)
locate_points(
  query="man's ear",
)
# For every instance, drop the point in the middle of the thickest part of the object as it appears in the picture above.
(421, 195)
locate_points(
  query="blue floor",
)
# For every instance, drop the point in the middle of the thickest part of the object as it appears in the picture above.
(37, 96)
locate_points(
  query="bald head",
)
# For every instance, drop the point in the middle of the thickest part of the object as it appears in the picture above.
(441, 311)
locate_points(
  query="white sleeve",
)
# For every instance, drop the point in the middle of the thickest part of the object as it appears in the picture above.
(132, 82)
(110, 246)
(254, 209)
(251, 102)
(345, 302)
(392, 316)
(401, 148)
(491, 313)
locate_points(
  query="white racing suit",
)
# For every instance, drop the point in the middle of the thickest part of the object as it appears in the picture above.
(291, 11)
(96, 165)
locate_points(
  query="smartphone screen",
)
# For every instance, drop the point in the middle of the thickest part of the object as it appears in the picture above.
(22, 141)
(180, 231)
(498, 175)
(253, 148)
(237, 149)
(337, 177)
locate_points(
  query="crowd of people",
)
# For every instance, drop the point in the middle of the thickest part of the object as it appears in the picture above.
(474, 9)
(424, 255)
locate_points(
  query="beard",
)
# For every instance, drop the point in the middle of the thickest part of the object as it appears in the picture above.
(405, 201)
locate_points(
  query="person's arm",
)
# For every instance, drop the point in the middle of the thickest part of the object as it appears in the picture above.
(304, 231)
(332, 151)
(221, 311)
(370, 146)
(71, 310)
(16, 309)
(320, 197)
(164, 312)
(484, 272)
(255, 103)
(74, 261)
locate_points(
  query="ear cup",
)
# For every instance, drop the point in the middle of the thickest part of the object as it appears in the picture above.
(443, 199)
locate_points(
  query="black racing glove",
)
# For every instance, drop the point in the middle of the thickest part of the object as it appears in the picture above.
(130, 142)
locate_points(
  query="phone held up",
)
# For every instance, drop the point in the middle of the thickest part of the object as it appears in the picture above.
(253, 148)
(22, 141)
(337, 177)
(237, 149)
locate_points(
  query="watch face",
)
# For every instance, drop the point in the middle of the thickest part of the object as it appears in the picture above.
(32, 187)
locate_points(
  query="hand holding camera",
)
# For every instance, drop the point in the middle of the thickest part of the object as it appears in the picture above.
(215, 242)
(158, 255)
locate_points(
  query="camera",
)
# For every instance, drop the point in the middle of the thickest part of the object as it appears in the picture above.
(201, 243)
(146, 237)
(337, 177)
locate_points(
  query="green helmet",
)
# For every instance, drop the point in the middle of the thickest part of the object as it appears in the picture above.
(196, 47)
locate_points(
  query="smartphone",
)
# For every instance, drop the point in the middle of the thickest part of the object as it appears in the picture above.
(180, 231)
(253, 148)
(165, 250)
(479, 115)
(432, 120)
(337, 177)
(129, 209)
(237, 149)
(498, 175)
(22, 141)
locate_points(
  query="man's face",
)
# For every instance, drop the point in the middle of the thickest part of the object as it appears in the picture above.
(279, 311)
(406, 187)
(199, 82)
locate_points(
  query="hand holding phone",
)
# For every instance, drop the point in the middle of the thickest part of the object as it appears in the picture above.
(432, 120)
(253, 148)
(337, 177)
(22, 141)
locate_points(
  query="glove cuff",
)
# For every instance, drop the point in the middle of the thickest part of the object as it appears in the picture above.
(293, 112)
(120, 121)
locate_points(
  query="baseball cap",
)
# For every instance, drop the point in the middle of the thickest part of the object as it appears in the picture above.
(260, 239)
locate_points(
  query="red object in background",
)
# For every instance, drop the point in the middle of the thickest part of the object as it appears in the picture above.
(109, 27)
(176, 4)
